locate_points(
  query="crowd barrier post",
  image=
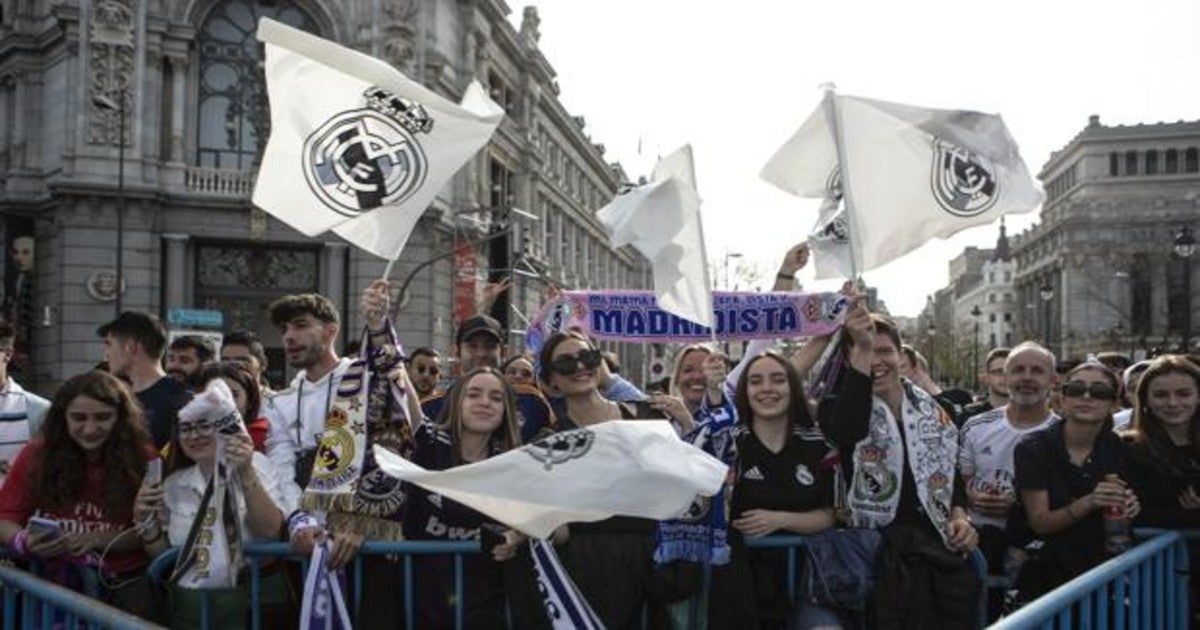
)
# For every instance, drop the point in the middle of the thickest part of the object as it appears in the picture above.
(47, 598)
(1144, 587)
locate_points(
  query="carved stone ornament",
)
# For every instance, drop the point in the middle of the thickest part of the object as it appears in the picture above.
(112, 68)
(102, 285)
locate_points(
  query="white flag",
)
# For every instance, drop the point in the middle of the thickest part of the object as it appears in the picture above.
(357, 147)
(910, 174)
(662, 220)
(620, 467)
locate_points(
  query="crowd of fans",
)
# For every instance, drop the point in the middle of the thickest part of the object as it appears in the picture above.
(1040, 471)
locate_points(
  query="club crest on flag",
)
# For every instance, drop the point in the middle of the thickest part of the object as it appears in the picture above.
(964, 183)
(365, 158)
(561, 448)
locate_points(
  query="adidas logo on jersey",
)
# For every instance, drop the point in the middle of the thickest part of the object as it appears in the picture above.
(754, 474)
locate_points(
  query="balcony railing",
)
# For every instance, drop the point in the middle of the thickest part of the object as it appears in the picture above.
(219, 182)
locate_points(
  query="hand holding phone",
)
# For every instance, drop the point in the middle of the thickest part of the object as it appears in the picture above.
(46, 529)
(153, 475)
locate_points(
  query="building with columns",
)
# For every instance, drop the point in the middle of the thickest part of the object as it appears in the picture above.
(167, 98)
(1101, 272)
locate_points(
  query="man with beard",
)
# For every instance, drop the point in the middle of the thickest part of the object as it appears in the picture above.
(985, 457)
(133, 350)
(425, 369)
(309, 325)
(185, 356)
(994, 379)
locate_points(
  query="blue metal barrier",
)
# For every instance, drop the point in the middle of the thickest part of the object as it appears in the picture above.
(47, 599)
(260, 552)
(1145, 587)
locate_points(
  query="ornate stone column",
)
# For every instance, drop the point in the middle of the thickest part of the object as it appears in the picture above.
(175, 279)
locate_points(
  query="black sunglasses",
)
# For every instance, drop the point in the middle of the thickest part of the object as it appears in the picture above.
(566, 364)
(1099, 391)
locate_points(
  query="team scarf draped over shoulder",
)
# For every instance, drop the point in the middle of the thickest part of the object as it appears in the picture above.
(370, 409)
(212, 553)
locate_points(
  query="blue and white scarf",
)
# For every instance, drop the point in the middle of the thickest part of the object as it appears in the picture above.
(702, 534)
(565, 606)
(323, 607)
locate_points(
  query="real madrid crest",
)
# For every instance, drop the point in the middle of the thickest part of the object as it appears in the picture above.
(560, 448)
(964, 183)
(803, 475)
(362, 159)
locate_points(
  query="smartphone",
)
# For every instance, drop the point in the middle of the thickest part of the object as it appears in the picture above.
(153, 472)
(45, 528)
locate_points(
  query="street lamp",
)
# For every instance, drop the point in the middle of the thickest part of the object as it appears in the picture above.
(106, 103)
(1046, 292)
(976, 313)
(933, 362)
(1185, 246)
(729, 255)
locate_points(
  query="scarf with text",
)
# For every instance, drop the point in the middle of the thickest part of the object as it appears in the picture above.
(323, 607)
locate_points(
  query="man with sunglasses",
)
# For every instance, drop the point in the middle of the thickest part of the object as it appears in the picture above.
(480, 343)
(985, 457)
(424, 370)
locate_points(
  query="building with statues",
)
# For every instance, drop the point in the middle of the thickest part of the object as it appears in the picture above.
(131, 132)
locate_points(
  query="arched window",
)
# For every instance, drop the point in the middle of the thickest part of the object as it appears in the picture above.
(1172, 161)
(1191, 162)
(1152, 162)
(235, 118)
(1131, 163)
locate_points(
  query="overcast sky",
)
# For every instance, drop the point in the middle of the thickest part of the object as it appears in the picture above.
(736, 79)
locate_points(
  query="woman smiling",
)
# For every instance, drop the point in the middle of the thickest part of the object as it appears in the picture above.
(82, 471)
(1165, 444)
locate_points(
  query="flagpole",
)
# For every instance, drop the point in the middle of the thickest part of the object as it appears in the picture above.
(833, 117)
(387, 270)
(712, 330)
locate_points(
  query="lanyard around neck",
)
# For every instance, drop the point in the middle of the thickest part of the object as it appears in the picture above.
(300, 403)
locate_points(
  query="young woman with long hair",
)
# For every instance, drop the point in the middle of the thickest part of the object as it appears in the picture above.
(1164, 444)
(785, 482)
(1067, 475)
(479, 421)
(82, 471)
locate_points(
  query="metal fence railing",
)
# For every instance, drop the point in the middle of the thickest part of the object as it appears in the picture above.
(1145, 587)
(36, 603)
(261, 554)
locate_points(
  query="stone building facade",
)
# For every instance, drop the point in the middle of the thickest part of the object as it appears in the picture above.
(187, 75)
(1099, 272)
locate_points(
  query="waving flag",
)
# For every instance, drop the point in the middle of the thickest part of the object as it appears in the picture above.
(905, 174)
(357, 147)
(620, 467)
(662, 220)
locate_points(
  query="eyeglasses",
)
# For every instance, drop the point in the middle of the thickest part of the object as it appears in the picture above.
(200, 429)
(1099, 391)
(566, 364)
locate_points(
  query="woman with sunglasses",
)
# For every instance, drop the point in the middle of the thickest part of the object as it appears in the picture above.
(1067, 475)
(610, 560)
(82, 472)
(1164, 444)
(172, 507)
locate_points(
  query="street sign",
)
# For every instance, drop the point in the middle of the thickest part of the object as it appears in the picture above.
(195, 318)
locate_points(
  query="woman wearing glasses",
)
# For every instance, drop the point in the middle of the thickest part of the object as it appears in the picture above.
(610, 560)
(1067, 475)
(172, 506)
